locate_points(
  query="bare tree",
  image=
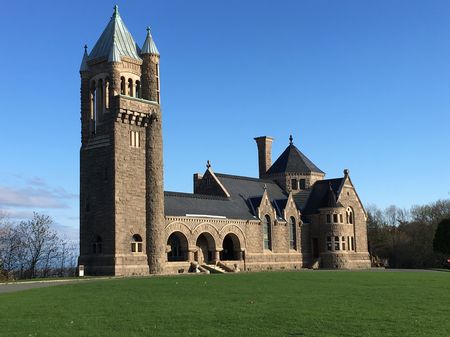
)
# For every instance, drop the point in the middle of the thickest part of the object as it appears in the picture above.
(40, 243)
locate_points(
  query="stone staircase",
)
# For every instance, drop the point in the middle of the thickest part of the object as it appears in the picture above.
(213, 268)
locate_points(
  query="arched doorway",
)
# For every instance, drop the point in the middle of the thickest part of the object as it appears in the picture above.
(205, 248)
(178, 247)
(231, 248)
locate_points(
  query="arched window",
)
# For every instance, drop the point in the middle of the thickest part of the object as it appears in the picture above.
(99, 109)
(107, 89)
(122, 86)
(138, 89)
(292, 234)
(157, 83)
(97, 245)
(93, 116)
(349, 215)
(267, 232)
(136, 244)
(130, 87)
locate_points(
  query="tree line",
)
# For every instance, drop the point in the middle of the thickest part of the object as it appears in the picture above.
(403, 238)
(31, 248)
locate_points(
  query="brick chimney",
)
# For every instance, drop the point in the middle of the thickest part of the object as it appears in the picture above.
(264, 144)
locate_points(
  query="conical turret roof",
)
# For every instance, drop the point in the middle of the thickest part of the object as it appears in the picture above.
(115, 39)
(149, 46)
(84, 66)
(294, 161)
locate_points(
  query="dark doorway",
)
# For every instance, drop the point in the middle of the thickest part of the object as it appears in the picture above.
(231, 248)
(178, 247)
(205, 248)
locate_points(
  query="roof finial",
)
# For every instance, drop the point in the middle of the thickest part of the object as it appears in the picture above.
(148, 29)
(116, 11)
(265, 187)
(291, 140)
(346, 172)
(85, 48)
(208, 164)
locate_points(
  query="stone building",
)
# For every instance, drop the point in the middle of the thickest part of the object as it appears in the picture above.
(290, 217)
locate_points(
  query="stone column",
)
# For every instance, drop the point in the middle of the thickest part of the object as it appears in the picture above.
(155, 195)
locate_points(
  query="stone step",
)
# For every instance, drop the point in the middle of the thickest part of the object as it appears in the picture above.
(214, 268)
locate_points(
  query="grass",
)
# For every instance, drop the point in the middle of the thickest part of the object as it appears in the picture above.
(323, 303)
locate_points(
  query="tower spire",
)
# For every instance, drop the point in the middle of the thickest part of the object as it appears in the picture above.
(116, 11)
(149, 46)
(84, 66)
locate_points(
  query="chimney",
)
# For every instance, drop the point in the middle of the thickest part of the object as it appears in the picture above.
(264, 144)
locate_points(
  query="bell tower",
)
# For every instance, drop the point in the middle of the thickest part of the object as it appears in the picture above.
(121, 163)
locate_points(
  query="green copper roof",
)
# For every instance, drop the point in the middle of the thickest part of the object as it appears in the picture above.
(84, 66)
(149, 46)
(115, 41)
(114, 54)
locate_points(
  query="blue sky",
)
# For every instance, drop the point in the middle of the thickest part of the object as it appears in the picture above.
(362, 85)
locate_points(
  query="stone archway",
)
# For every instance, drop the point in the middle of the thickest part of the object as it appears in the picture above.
(231, 248)
(178, 244)
(205, 249)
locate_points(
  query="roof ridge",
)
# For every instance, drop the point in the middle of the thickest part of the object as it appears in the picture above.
(232, 176)
(194, 195)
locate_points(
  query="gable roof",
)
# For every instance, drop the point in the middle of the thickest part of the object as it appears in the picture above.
(245, 197)
(115, 36)
(293, 160)
(321, 195)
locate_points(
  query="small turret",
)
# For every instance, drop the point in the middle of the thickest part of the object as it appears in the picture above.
(150, 69)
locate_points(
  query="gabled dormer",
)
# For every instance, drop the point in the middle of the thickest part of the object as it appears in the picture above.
(209, 184)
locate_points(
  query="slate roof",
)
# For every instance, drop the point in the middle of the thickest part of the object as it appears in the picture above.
(115, 35)
(293, 160)
(245, 197)
(321, 195)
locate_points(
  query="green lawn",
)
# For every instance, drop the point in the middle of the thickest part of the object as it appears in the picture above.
(316, 303)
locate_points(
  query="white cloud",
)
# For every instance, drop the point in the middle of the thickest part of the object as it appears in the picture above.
(34, 197)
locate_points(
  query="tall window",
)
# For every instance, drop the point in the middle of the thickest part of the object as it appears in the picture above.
(122, 86)
(99, 108)
(328, 218)
(329, 244)
(107, 88)
(294, 184)
(349, 216)
(335, 218)
(292, 236)
(343, 243)
(336, 243)
(267, 232)
(93, 117)
(130, 87)
(136, 244)
(157, 82)
(138, 89)
(302, 184)
(135, 140)
(97, 245)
